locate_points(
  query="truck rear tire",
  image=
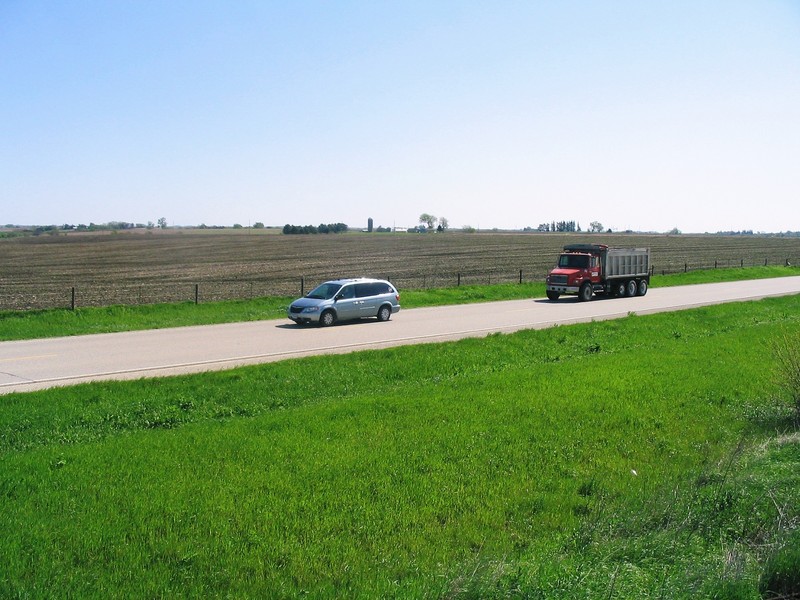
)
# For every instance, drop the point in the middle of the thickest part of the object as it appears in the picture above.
(632, 288)
(642, 287)
(585, 293)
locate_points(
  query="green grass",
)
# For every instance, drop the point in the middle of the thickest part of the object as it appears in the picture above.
(631, 458)
(17, 325)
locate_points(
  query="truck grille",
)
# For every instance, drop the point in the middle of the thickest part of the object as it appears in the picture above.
(558, 279)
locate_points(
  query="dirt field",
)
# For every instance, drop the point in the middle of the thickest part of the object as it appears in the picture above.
(140, 266)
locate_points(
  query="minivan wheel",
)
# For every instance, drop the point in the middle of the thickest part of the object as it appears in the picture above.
(384, 313)
(327, 318)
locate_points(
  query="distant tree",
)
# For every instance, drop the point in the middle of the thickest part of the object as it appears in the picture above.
(566, 226)
(258, 225)
(674, 231)
(428, 220)
(444, 223)
(323, 228)
(595, 227)
(237, 226)
(162, 222)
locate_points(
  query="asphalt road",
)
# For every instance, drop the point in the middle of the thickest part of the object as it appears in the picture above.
(38, 364)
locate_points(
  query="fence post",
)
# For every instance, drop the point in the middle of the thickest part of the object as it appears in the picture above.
(765, 262)
(197, 293)
(72, 303)
(715, 264)
(459, 280)
(302, 286)
(741, 264)
(520, 275)
(685, 267)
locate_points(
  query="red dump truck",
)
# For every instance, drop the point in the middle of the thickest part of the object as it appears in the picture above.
(588, 269)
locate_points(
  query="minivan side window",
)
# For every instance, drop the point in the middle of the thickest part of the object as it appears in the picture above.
(364, 290)
(347, 292)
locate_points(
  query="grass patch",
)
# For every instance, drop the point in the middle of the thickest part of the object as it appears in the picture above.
(630, 458)
(18, 325)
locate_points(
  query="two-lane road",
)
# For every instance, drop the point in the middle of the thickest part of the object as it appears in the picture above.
(37, 364)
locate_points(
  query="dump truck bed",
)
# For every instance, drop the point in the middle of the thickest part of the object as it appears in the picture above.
(627, 262)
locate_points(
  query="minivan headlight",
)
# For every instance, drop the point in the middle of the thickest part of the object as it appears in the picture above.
(310, 309)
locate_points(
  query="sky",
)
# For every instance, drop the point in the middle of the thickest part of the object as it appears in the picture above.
(644, 116)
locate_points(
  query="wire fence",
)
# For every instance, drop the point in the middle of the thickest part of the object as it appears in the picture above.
(60, 295)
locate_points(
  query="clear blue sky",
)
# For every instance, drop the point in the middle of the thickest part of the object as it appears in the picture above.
(639, 115)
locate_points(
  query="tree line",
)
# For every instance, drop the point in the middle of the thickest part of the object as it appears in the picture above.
(310, 229)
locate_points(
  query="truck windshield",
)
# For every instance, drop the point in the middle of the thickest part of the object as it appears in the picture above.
(573, 261)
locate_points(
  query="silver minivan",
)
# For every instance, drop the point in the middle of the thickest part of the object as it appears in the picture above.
(344, 300)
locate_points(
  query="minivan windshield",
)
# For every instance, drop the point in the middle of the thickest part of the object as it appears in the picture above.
(326, 291)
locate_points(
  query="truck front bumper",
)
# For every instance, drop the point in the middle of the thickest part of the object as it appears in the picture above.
(563, 289)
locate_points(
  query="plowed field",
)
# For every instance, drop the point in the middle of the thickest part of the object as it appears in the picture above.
(175, 265)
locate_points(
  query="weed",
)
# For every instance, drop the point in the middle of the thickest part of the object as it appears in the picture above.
(786, 352)
(781, 578)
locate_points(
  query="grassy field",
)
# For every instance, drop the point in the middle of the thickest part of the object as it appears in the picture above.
(652, 456)
(17, 325)
(141, 267)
